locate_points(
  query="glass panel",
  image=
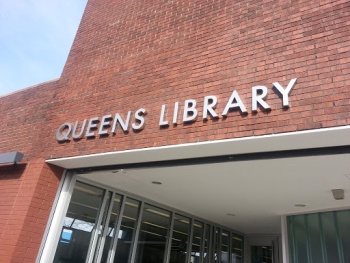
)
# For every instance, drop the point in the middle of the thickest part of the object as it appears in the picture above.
(102, 225)
(224, 246)
(206, 244)
(79, 223)
(261, 254)
(300, 238)
(216, 244)
(315, 245)
(179, 239)
(330, 235)
(237, 249)
(127, 231)
(153, 235)
(343, 222)
(196, 242)
(112, 224)
(319, 237)
(114, 243)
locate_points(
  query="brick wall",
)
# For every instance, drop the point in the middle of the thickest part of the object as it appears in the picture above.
(23, 118)
(143, 54)
(27, 189)
(27, 192)
(133, 54)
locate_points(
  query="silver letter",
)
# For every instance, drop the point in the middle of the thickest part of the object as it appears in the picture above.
(208, 107)
(190, 106)
(176, 109)
(285, 92)
(163, 122)
(105, 122)
(231, 104)
(61, 134)
(139, 116)
(256, 98)
(124, 125)
(92, 124)
(80, 135)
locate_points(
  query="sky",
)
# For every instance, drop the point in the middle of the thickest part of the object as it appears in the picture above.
(35, 39)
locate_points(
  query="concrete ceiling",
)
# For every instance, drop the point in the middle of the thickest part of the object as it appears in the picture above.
(257, 192)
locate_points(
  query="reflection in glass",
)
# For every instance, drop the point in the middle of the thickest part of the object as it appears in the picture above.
(261, 254)
(112, 224)
(330, 236)
(314, 236)
(103, 226)
(225, 246)
(206, 244)
(216, 245)
(79, 222)
(236, 249)
(343, 223)
(197, 242)
(180, 239)
(153, 235)
(319, 237)
(127, 231)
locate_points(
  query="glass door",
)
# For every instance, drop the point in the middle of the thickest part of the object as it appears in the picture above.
(81, 224)
(261, 254)
(102, 226)
(262, 249)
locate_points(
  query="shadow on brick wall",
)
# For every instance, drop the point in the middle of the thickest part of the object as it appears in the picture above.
(12, 171)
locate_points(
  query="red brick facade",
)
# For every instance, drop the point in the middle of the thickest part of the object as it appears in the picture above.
(27, 192)
(143, 54)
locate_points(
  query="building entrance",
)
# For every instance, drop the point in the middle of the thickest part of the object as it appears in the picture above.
(263, 248)
(102, 225)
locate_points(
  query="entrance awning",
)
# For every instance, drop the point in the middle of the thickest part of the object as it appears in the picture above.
(283, 174)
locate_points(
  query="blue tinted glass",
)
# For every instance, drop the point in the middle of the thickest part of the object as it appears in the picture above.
(319, 237)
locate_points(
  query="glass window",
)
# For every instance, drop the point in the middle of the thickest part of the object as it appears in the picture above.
(216, 244)
(197, 242)
(237, 249)
(112, 225)
(127, 231)
(153, 235)
(206, 244)
(103, 226)
(314, 237)
(261, 254)
(343, 224)
(79, 223)
(330, 236)
(225, 243)
(180, 239)
(319, 237)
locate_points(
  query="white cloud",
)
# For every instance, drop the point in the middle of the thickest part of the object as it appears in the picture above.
(35, 38)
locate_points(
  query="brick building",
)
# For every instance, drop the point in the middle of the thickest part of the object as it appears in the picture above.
(185, 131)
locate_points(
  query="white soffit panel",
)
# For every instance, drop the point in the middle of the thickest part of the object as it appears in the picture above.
(310, 139)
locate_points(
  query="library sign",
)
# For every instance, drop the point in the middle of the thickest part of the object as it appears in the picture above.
(107, 124)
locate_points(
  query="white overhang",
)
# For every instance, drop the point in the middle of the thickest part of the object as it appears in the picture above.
(257, 190)
(310, 139)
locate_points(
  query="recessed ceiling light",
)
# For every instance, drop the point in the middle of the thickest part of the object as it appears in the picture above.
(300, 205)
(230, 214)
(118, 171)
(156, 182)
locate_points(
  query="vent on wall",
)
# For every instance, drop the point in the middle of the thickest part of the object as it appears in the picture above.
(338, 194)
